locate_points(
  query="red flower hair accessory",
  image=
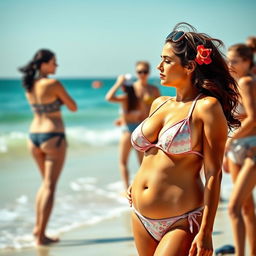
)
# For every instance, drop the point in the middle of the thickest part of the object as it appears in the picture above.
(203, 55)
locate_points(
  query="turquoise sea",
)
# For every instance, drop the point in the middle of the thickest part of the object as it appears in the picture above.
(89, 187)
(94, 112)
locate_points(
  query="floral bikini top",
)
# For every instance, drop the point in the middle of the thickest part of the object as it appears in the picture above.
(174, 140)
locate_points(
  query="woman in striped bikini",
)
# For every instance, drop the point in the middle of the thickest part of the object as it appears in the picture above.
(47, 137)
(173, 211)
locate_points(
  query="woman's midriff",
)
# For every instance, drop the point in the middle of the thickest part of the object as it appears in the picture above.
(47, 123)
(133, 116)
(165, 187)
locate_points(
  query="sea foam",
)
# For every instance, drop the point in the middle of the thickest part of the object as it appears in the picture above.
(85, 203)
(83, 136)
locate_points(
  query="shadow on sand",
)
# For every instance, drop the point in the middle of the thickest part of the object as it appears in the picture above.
(83, 242)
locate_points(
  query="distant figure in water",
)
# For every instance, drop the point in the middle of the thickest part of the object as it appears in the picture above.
(97, 84)
(47, 141)
(135, 105)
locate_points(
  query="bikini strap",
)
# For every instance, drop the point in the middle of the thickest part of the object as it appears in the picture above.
(159, 107)
(193, 105)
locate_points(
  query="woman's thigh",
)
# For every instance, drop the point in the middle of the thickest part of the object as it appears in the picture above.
(54, 159)
(38, 156)
(233, 169)
(244, 182)
(125, 146)
(145, 243)
(176, 242)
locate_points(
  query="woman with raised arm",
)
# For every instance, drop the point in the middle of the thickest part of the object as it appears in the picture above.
(173, 211)
(47, 141)
(241, 151)
(135, 105)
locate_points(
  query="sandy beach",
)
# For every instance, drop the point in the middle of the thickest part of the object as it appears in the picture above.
(112, 234)
(94, 42)
(114, 237)
(89, 215)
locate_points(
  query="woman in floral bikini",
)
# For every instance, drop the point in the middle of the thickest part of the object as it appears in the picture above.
(173, 210)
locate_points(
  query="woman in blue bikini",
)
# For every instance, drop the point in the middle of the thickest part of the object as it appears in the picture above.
(47, 136)
(135, 103)
(173, 211)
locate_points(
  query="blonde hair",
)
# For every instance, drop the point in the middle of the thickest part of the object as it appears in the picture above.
(144, 63)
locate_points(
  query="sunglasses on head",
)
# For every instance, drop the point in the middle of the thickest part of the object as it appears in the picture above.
(142, 72)
(176, 36)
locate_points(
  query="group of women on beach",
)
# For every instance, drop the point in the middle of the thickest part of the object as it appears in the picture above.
(211, 118)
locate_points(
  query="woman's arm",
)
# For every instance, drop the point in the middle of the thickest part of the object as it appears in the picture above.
(62, 94)
(214, 139)
(215, 136)
(247, 92)
(111, 94)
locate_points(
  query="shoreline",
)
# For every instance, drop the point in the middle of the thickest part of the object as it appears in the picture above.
(114, 236)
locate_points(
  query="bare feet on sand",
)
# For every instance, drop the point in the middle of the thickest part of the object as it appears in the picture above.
(46, 240)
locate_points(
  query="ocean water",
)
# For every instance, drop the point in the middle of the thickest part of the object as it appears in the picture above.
(89, 187)
(95, 114)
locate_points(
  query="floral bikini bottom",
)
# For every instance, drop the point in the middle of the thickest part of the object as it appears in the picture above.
(159, 227)
(241, 148)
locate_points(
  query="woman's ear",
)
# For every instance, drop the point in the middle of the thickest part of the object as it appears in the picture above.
(190, 67)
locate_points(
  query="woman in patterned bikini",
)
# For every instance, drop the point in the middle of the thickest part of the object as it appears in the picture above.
(241, 151)
(47, 138)
(173, 211)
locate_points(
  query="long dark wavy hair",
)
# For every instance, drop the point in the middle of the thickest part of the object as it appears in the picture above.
(213, 79)
(30, 70)
(132, 99)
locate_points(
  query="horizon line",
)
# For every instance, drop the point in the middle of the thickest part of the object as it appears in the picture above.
(71, 77)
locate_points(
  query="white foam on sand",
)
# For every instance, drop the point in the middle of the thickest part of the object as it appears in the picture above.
(84, 204)
(77, 135)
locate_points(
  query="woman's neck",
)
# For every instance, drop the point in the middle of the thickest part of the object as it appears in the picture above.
(42, 75)
(186, 94)
(142, 83)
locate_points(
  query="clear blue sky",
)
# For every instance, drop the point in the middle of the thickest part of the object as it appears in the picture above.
(105, 38)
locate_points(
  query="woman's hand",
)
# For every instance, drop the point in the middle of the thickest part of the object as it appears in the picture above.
(119, 121)
(120, 80)
(111, 94)
(129, 195)
(201, 245)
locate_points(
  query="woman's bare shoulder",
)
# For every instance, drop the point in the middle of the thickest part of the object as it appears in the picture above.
(208, 104)
(160, 100)
(50, 82)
